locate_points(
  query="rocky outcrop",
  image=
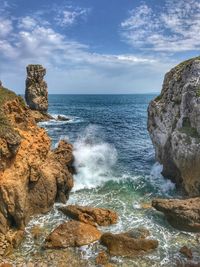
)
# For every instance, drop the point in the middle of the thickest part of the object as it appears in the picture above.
(181, 214)
(32, 176)
(90, 215)
(128, 244)
(72, 234)
(36, 93)
(174, 125)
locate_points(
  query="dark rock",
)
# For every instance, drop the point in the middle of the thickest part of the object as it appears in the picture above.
(187, 252)
(181, 214)
(36, 93)
(62, 118)
(90, 215)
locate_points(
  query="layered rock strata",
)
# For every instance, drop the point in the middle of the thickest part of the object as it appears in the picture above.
(174, 125)
(36, 93)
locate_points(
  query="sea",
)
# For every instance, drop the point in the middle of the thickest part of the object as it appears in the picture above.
(115, 168)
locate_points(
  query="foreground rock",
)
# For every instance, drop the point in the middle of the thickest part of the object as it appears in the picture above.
(181, 214)
(174, 125)
(32, 176)
(127, 244)
(36, 93)
(72, 234)
(90, 215)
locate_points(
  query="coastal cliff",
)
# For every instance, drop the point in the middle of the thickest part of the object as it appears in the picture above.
(32, 175)
(174, 126)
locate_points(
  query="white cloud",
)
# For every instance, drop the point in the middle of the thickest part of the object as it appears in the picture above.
(69, 16)
(173, 27)
(71, 66)
(5, 27)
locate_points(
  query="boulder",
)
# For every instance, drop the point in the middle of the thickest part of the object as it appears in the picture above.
(72, 234)
(127, 244)
(36, 93)
(174, 126)
(181, 214)
(90, 215)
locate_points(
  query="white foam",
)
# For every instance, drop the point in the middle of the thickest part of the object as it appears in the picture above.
(94, 159)
(156, 178)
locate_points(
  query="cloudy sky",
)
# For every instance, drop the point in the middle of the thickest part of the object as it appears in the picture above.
(97, 46)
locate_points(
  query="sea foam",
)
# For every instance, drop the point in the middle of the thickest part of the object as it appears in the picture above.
(94, 159)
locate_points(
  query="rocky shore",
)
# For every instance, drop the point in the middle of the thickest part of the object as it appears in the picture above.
(34, 176)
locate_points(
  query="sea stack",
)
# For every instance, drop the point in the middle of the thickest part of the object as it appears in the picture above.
(36, 93)
(174, 126)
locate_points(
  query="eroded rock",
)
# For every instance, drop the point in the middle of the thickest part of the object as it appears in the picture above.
(181, 214)
(32, 176)
(174, 125)
(126, 245)
(36, 93)
(72, 234)
(90, 215)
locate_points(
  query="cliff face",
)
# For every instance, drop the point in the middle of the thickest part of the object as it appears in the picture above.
(36, 93)
(174, 125)
(32, 176)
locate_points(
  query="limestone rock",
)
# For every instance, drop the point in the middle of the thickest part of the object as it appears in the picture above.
(72, 234)
(32, 175)
(174, 125)
(90, 215)
(36, 93)
(126, 245)
(181, 214)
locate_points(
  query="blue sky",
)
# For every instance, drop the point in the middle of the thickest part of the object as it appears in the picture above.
(97, 46)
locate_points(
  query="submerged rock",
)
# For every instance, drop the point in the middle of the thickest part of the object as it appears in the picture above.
(72, 234)
(181, 214)
(90, 215)
(128, 244)
(187, 252)
(36, 93)
(174, 125)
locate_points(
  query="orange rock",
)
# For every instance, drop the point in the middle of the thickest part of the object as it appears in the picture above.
(102, 258)
(90, 215)
(32, 176)
(6, 265)
(183, 214)
(125, 245)
(72, 234)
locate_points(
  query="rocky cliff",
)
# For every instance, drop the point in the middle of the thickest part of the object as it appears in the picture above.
(36, 93)
(174, 125)
(32, 176)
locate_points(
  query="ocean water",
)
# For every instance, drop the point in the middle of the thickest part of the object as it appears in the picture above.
(116, 169)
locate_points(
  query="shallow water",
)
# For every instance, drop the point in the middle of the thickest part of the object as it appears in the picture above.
(114, 158)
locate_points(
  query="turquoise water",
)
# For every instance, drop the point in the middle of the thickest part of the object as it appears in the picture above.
(114, 158)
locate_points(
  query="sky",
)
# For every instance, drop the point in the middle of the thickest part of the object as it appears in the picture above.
(97, 46)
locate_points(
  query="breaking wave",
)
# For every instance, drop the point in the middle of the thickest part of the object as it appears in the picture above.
(94, 159)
